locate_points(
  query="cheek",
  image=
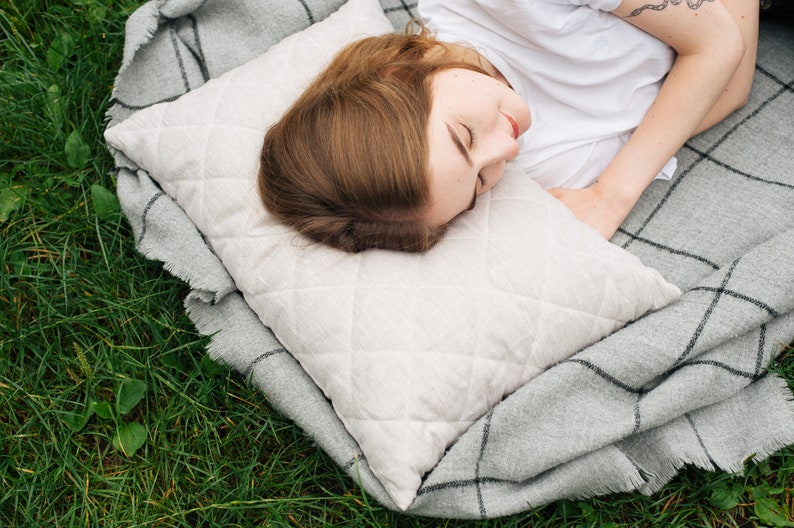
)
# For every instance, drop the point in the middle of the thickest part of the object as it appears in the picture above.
(450, 189)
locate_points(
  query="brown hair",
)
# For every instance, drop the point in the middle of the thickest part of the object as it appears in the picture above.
(347, 164)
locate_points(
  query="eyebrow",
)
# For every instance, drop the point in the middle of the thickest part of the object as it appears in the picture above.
(465, 153)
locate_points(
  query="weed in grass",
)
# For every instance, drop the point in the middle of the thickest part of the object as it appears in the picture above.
(82, 312)
(129, 436)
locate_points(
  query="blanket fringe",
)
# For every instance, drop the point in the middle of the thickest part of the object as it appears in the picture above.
(140, 30)
(622, 483)
(764, 446)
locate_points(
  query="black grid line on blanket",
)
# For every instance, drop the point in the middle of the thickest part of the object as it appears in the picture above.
(135, 107)
(478, 481)
(399, 12)
(707, 315)
(309, 13)
(261, 357)
(700, 439)
(718, 294)
(760, 356)
(635, 236)
(156, 196)
(480, 484)
(406, 9)
(199, 53)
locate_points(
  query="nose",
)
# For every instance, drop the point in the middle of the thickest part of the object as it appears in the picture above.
(502, 145)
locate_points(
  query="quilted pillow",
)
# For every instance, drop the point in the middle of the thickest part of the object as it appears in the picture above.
(410, 348)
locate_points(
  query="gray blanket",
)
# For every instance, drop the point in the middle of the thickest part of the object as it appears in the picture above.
(686, 385)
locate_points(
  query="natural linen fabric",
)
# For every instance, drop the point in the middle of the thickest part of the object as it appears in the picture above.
(409, 348)
(684, 385)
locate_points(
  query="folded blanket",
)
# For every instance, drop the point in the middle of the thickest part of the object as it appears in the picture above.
(685, 385)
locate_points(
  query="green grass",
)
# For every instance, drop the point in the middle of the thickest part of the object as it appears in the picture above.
(82, 312)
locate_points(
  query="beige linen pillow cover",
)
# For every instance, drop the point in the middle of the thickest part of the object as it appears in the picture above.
(410, 348)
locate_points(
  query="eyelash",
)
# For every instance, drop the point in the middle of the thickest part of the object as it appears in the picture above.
(470, 130)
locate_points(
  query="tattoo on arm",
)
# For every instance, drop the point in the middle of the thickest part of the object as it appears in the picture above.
(692, 4)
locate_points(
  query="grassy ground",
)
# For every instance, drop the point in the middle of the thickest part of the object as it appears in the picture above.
(110, 414)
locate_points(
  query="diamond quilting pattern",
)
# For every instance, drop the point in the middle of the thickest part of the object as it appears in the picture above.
(411, 349)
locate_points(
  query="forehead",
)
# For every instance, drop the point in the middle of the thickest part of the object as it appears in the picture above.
(452, 81)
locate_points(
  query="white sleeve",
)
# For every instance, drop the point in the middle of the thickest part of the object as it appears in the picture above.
(602, 5)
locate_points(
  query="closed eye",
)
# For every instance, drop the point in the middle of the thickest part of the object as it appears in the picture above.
(459, 144)
(470, 130)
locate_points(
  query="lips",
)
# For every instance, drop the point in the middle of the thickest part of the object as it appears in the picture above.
(516, 130)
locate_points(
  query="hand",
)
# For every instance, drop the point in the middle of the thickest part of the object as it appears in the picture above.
(592, 206)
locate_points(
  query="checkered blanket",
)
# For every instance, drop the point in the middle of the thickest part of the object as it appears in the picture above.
(686, 385)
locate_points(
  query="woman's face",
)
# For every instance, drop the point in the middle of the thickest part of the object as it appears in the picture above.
(473, 127)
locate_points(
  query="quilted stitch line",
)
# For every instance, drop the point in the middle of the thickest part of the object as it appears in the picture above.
(759, 359)
(481, 481)
(207, 136)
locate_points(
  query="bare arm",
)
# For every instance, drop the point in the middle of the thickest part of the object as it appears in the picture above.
(745, 15)
(710, 78)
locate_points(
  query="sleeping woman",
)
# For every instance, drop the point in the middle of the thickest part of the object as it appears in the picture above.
(591, 98)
